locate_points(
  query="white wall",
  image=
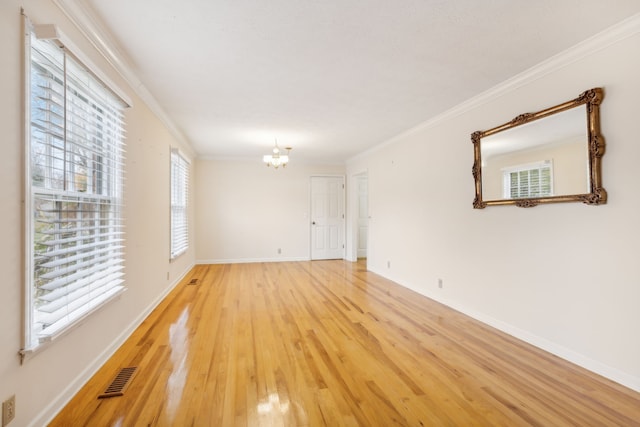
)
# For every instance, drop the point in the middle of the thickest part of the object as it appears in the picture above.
(44, 382)
(246, 211)
(563, 276)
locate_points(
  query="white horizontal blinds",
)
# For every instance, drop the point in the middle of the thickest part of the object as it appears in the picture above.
(531, 181)
(179, 204)
(77, 154)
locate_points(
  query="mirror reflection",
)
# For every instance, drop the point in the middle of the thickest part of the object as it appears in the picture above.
(542, 158)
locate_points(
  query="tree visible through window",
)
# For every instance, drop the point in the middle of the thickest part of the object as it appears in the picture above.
(75, 182)
(530, 180)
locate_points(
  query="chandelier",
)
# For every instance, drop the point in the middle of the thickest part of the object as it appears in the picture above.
(276, 159)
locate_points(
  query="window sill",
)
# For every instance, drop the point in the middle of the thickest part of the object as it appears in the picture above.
(30, 352)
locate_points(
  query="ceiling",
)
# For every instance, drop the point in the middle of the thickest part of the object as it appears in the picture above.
(332, 78)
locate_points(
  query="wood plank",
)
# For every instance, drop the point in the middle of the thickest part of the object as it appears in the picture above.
(329, 343)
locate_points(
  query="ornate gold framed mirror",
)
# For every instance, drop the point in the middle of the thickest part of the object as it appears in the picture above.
(550, 156)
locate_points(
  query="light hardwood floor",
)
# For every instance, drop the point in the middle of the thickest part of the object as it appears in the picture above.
(328, 343)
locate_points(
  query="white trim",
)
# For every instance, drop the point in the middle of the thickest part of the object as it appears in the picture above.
(30, 352)
(27, 291)
(179, 183)
(526, 167)
(249, 260)
(68, 315)
(627, 28)
(52, 32)
(99, 38)
(565, 353)
(180, 153)
(51, 410)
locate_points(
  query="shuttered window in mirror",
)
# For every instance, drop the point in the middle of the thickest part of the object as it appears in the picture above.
(530, 180)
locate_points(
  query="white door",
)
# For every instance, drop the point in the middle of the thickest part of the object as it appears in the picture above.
(327, 217)
(362, 184)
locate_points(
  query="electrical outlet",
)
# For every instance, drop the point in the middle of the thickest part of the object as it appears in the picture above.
(388, 264)
(8, 410)
(279, 250)
(440, 285)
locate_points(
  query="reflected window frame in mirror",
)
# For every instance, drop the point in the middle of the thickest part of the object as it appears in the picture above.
(595, 146)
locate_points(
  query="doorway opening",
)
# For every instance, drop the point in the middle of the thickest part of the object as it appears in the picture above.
(362, 216)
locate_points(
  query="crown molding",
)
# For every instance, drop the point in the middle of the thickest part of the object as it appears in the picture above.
(101, 39)
(614, 34)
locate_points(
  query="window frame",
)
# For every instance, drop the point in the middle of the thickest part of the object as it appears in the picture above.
(81, 195)
(180, 174)
(527, 167)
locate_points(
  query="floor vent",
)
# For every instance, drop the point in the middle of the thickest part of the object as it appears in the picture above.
(193, 282)
(120, 383)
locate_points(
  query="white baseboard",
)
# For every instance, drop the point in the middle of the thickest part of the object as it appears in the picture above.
(250, 260)
(50, 411)
(565, 353)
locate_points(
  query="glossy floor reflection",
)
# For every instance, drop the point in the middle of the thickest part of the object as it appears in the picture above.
(327, 343)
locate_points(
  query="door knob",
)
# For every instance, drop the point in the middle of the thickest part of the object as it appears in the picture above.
(313, 223)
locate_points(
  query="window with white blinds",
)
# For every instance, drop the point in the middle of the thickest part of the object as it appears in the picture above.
(179, 204)
(530, 180)
(75, 234)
